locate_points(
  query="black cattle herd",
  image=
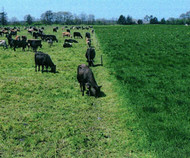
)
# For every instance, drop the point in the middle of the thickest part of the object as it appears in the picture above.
(85, 75)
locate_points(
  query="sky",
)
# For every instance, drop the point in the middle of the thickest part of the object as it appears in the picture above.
(108, 9)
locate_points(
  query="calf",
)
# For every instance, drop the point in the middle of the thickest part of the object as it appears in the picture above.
(67, 45)
(49, 41)
(54, 29)
(53, 37)
(88, 42)
(67, 34)
(30, 31)
(36, 34)
(42, 59)
(3, 43)
(85, 77)
(90, 55)
(77, 34)
(71, 41)
(87, 35)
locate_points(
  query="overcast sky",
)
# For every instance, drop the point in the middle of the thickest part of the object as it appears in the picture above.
(100, 8)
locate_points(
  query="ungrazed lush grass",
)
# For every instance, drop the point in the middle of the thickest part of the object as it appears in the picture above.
(45, 114)
(152, 67)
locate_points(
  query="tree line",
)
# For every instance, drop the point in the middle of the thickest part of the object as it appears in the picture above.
(61, 17)
(67, 18)
(183, 19)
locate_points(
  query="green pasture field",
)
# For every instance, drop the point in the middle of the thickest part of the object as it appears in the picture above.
(45, 114)
(151, 64)
(143, 111)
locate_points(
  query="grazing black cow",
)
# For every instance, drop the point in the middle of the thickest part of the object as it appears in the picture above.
(40, 31)
(90, 55)
(35, 29)
(54, 29)
(24, 38)
(36, 34)
(67, 45)
(34, 44)
(53, 37)
(13, 33)
(71, 41)
(19, 44)
(10, 40)
(87, 35)
(77, 34)
(92, 31)
(85, 77)
(16, 43)
(43, 59)
(68, 30)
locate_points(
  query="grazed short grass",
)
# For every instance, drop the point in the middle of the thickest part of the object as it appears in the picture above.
(45, 114)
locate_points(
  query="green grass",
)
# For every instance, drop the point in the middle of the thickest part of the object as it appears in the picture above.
(45, 114)
(151, 64)
(144, 113)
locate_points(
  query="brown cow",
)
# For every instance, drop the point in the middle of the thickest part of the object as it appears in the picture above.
(17, 37)
(68, 34)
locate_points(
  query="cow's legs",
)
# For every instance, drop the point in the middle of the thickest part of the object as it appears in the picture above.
(89, 89)
(83, 86)
(36, 67)
(42, 68)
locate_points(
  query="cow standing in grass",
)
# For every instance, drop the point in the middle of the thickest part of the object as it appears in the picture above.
(90, 55)
(43, 59)
(86, 78)
(77, 34)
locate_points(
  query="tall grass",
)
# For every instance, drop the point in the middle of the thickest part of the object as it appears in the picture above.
(152, 66)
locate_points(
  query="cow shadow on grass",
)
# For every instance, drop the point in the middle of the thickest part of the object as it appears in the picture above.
(102, 94)
(50, 71)
(97, 65)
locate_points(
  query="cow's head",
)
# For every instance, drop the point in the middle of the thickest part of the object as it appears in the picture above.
(53, 68)
(94, 91)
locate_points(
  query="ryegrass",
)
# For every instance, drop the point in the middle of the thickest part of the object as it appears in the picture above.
(152, 65)
(45, 114)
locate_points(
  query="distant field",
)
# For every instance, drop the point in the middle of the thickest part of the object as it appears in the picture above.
(152, 66)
